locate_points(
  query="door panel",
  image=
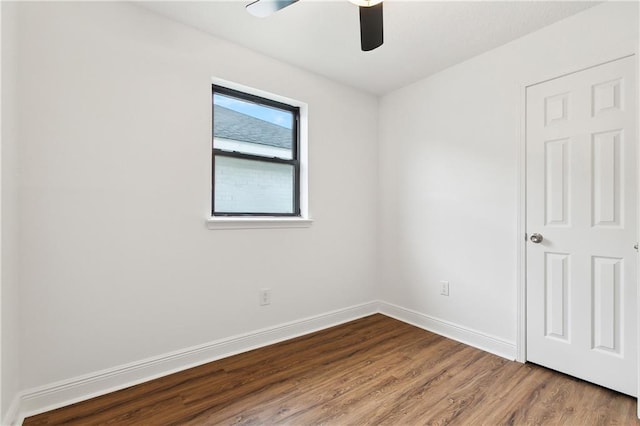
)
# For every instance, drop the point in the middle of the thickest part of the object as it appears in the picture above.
(581, 197)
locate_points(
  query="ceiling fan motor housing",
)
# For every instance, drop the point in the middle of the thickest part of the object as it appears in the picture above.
(371, 32)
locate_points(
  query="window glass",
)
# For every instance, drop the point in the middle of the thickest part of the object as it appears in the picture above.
(256, 169)
(250, 186)
(248, 127)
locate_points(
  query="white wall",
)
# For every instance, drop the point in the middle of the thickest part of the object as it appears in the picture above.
(449, 171)
(9, 290)
(115, 137)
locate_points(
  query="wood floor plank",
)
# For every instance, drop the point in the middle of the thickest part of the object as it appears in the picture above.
(375, 370)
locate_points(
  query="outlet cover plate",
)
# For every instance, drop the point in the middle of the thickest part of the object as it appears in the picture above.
(444, 288)
(265, 296)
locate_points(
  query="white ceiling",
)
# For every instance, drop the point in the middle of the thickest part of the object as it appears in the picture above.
(420, 37)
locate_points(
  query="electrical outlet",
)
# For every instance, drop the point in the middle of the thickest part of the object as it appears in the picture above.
(444, 288)
(265, 296)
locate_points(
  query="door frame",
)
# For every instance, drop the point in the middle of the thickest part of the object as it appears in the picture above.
(521, 237)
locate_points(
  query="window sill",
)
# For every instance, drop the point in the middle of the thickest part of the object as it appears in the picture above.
(257, 222)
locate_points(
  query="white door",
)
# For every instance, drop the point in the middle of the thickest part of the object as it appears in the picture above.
(581, 200)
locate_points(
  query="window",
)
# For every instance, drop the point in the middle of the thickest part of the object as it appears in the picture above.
(256, 155)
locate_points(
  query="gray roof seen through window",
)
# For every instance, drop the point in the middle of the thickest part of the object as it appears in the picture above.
(234, 125)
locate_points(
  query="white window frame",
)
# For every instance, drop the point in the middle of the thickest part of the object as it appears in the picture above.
(265, 222)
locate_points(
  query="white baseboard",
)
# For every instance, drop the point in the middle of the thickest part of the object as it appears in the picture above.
(477, 339)
(66, 392)
(12, 417)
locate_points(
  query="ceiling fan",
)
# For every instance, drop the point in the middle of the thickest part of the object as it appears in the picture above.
(371, 35)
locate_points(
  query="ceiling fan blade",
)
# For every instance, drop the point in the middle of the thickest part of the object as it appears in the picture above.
(371, 34)
(264, 8)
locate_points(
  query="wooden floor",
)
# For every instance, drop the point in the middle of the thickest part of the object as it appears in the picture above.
(375, 370)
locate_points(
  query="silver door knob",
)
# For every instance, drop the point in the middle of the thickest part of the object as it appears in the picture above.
(536, 238)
